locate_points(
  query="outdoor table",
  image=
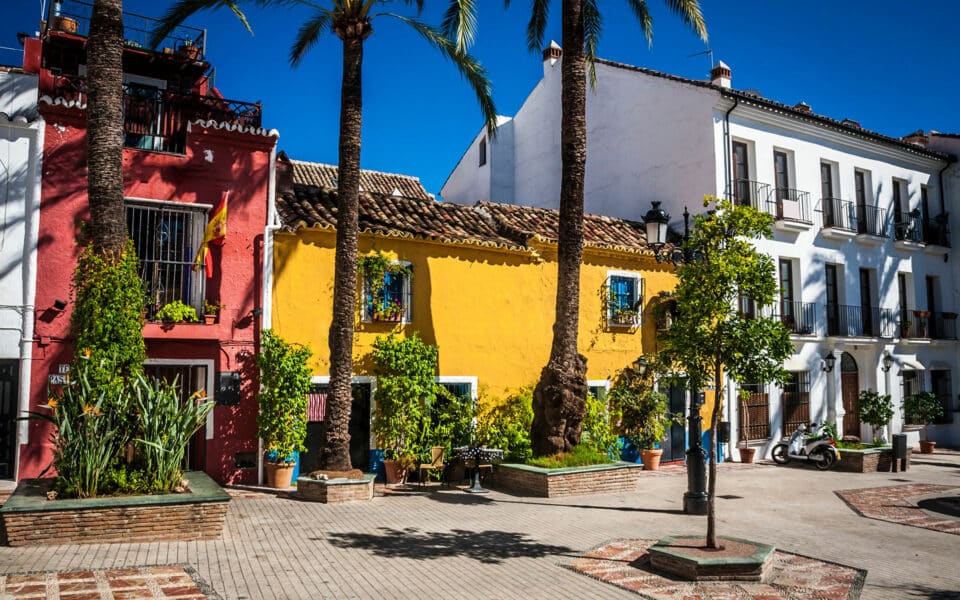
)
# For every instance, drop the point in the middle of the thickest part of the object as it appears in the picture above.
(477, 455)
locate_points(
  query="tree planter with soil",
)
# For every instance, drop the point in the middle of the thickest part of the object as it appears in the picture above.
(336, 488)
(528, 480)
(867, 460)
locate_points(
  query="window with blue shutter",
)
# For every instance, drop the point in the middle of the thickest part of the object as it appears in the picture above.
(624, 299)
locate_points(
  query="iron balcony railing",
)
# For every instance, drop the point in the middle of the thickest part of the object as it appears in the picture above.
(838, 214)
(936, 230)
(908, 227)
(156, 119)
(799, 317)
(926, 325)
(870, 220)
(860, 321)
(790, 205)
(73, 17)
(750, 193)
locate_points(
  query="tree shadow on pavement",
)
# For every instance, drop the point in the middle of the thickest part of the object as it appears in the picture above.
(490, 547)
(923, 592)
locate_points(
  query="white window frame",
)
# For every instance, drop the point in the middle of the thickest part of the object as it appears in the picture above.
(599, 383)
(211, 390)
(407, 293)
(639, 297)
(471, 379)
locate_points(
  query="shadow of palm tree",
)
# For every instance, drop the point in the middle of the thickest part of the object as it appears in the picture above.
(489, 547)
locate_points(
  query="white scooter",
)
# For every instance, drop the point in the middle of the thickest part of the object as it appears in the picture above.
(818, 448)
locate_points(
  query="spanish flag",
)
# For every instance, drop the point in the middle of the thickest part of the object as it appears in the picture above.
(216, 233)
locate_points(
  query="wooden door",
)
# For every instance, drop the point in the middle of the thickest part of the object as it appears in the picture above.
(850, 391)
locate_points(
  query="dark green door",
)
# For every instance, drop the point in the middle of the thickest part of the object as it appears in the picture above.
(8, 416)
(675, 445)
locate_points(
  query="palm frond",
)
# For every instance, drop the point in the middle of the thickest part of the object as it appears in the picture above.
(538, 24)
(308, 35)
(690, 13)
(592, 26)
(639, 8)
(183, 10)
(417, 3)
(469, 68)
(460, 23)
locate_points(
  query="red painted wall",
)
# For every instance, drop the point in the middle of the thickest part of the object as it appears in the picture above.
(215, 160)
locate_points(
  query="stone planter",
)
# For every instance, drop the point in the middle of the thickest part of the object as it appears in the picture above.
(868, 460)
(336, 491)
(29, 519)
(528, 480)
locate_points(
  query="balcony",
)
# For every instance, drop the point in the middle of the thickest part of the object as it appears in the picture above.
(870, 229)
(839, 219)
(922, 326)
(791, 209)
(156, 119)
(936, 234)
(750, 193)
(908, 230)
(799, 317)
(72, 18)
(860, 321)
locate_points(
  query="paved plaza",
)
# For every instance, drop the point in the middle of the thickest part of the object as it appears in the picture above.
(443, 543)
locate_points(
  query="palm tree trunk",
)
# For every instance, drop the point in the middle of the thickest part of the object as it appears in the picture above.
(105, 127)
(335, 454)
(560, 395)
(712, 480)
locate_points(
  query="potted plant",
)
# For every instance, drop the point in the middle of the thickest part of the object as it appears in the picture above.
(644, 416)
(282, 418)
(391, 311)
(374, 267)
(875, 410)
(922, 316)
(188, 50)
(905, 328)
(210, 311)
(176, 312)
(625, 316)
(923, 408)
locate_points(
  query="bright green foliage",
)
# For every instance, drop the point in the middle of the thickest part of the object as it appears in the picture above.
(922, 408)
(598, 430)
(107, 319)
(405, 369)
(451, 422)
(506, 425)
(166, 425)
(285, 383)
(642, 409)
(875, 409)
(177, 312)
(582, 455)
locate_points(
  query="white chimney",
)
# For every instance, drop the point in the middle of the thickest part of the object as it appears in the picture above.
(720, 75)
(551, 55)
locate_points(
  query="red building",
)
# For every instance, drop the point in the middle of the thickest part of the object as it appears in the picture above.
(185, 145)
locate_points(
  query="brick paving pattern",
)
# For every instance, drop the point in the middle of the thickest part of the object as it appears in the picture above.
(897, 504)
(169, 581)
(625, 564)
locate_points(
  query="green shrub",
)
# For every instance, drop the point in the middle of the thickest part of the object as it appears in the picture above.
(582, 455)
(506, 425)
(450, 422)
(874, 409)
(598, 430)
(177, 312)
(642, 410)
(922, 408)
(285, 383)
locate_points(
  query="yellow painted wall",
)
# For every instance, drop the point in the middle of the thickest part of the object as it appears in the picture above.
(490, 311)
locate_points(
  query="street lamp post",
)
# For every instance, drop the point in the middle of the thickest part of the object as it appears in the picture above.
(695, 499)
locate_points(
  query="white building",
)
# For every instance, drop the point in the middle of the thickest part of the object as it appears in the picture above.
(861, 241)
(21, 152)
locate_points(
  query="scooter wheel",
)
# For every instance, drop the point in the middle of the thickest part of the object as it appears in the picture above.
(824, 459)
(781, 454)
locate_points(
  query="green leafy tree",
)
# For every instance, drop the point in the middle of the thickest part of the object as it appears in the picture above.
(352, 22)
(285, 383)
(874, 409)
(922, 408)
(506, 425)
(709, 337)
(561, 393)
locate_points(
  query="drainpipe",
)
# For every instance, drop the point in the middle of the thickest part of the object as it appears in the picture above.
(266, 299)
(726, 145)
(31, 226)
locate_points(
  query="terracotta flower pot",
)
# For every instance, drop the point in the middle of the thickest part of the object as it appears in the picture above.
(747, 454)
(209, 319)
(651, 459)
(926, 447)
(279, 475)
(395, 474)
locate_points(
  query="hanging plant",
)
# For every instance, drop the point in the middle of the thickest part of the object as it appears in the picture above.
(374, 267)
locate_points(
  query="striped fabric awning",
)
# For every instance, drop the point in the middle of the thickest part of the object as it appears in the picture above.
(316, 406)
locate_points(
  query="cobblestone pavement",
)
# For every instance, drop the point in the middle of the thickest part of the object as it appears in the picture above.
(446, 543)
(898, 504)
(625, 564)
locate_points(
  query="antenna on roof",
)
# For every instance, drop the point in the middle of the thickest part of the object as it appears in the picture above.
(707, 51)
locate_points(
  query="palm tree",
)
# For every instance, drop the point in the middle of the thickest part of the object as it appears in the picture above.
(560, 396)
(108, 228)
(352, 22)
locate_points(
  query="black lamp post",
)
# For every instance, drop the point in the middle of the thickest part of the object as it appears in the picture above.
(695, 499)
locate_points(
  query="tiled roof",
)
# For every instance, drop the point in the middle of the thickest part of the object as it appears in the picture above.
(375, 182)
(599, 231)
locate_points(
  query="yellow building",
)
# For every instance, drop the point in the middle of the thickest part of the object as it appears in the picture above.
(480, 283)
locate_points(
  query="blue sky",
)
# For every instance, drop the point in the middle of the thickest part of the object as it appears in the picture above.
(893, 66)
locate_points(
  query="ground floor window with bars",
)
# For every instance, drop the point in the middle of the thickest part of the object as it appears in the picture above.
(796, 400)
(166, 237)
(754, 411)
(911, 382)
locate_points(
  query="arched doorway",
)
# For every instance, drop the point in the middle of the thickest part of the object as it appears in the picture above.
(850, 392)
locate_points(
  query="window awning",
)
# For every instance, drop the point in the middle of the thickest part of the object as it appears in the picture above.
(910, 364)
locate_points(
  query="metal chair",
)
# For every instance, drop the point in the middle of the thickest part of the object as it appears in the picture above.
(436, 463)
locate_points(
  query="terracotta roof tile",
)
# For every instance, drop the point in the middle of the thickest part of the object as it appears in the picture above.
(375, 182)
